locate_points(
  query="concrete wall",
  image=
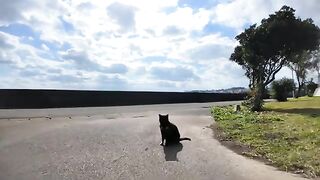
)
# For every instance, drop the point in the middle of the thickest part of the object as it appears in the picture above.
(21, 98)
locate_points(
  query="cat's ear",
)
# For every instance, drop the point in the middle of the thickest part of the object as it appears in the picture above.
(159, 115)
(167, 115)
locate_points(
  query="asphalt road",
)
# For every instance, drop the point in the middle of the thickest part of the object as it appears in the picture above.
(119, 143)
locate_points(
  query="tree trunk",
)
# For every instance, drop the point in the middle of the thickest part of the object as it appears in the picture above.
(257, 98)
(299, 91)
(298, 94)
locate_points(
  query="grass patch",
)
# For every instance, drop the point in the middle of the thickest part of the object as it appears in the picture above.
(287, 134)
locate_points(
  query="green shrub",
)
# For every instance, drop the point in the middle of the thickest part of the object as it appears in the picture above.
(311, 87)
(281, 88)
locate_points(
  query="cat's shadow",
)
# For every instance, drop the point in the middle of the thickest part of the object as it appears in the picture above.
(171, 151)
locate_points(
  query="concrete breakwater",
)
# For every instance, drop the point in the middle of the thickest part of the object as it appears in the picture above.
(28, 98)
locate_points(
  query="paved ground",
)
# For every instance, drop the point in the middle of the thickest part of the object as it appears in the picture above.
(118, 143)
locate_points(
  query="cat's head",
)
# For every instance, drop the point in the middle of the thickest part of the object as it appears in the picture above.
(164, 119)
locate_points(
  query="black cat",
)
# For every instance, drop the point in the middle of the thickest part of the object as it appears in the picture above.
(169, 131)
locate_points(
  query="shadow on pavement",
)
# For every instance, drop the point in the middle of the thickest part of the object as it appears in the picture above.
(171, 151)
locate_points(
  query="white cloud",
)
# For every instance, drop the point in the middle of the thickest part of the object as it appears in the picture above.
(124, 15)
(6, 41)
(172, 30)
(238, 13)
(11, 10)
(83, 61)
(11, 51)
(306, 9)
(110, 44)
(173, 73)
(45, 47)
(210, 51)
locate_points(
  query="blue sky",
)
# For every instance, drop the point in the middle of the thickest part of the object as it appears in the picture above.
(159, 45)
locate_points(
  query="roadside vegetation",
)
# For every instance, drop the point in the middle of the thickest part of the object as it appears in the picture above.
(285, 134)
(266, 48)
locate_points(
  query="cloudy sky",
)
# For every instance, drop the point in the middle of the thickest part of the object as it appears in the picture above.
(161, 45)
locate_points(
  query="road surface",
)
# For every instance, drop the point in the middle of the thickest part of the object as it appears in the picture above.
(119, 143)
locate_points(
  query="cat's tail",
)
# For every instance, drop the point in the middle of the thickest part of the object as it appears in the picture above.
(185, 138)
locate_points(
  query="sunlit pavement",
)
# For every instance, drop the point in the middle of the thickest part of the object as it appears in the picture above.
(119, 143)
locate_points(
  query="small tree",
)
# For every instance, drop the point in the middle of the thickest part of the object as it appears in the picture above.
(281, 88)
(266, 48)
(311, 87)
(300, 63)
(315, 63)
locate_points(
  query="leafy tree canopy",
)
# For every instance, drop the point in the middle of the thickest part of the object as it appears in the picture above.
(264, 49)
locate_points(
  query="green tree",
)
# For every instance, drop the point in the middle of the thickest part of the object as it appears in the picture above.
(315, 62)
(281, 88)
(266, 48)
(311, 87)
(300, 64)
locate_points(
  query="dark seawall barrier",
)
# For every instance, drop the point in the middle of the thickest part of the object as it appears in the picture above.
(25, 99)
